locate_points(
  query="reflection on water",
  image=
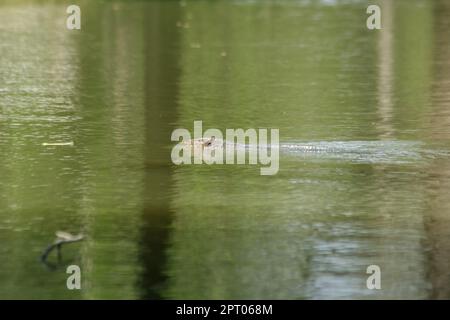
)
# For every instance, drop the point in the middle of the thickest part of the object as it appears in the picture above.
(373, 104)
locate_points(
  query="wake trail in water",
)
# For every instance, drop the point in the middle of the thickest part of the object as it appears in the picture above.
(383, 151)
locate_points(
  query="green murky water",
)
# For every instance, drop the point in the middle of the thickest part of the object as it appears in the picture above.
(137, 70)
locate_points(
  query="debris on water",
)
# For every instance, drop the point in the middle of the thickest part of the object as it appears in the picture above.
(223, 54)
(70, 143)
(195, 45)
(184, 25)
(62, 237)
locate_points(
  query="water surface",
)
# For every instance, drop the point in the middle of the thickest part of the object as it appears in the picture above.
(137, 70)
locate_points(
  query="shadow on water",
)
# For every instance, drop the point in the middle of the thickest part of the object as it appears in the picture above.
(161, 81)
(437, 222)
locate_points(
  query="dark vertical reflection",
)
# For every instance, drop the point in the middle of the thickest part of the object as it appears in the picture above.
(438, 222)
(161, 86)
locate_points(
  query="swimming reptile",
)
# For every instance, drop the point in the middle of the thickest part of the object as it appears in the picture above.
(373, 151)
(213, 143)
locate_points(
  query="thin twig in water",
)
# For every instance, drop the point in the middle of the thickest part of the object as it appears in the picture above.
(62, 238)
